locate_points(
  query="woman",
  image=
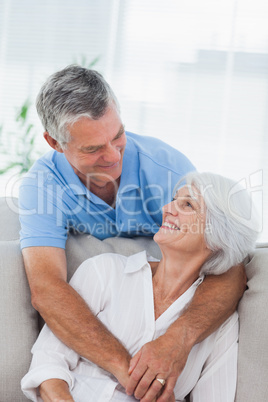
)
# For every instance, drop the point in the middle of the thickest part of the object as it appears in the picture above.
(206, 229)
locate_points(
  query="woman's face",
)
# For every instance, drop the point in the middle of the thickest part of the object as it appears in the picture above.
(183, 222)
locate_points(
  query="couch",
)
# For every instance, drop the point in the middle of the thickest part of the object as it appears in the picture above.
(20, 323)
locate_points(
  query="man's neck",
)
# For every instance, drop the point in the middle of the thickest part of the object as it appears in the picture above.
(105, 191)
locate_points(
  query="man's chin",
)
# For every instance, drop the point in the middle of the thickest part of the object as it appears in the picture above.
(101, 180)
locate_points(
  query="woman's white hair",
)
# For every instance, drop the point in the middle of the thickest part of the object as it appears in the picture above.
(231, 220)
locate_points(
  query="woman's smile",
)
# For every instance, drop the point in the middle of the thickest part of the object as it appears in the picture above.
(168, 225)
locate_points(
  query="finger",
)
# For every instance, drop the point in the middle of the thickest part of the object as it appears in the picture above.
(145, 383)
(134, 361)
(168, 390)
(172, 398)
(153, 392)
(135, 377)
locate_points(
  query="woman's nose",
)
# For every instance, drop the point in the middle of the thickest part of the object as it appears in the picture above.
(170, 208)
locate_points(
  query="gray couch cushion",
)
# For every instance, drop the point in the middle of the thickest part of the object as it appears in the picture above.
(19, 321)
(79, 248)
(10, 225)
(253, 338)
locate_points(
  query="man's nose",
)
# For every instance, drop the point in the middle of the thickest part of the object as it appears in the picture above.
(112, 154)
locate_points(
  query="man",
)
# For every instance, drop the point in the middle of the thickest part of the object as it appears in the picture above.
(103, 181)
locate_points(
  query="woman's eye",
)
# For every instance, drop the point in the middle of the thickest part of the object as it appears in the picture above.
(188, 204)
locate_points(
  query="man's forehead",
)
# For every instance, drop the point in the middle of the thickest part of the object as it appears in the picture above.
(94, 132)
(93, 142)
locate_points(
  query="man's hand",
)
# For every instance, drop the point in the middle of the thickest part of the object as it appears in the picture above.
(162, 358)
(55, 390)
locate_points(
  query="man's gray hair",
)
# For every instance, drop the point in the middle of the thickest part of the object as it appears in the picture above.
(70, 94)
(231, 221)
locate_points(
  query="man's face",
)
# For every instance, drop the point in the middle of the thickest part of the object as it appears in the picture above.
(96, 148)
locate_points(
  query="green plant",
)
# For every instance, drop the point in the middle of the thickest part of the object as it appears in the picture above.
(21, 148)
(83, 62)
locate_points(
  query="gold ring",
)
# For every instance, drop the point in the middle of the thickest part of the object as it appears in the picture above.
(161, 380)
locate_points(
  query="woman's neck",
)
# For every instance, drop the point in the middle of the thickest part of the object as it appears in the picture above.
(172, 276)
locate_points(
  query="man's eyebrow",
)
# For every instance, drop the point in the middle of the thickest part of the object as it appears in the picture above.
(96, 147)
(120, 132)
(91, 148)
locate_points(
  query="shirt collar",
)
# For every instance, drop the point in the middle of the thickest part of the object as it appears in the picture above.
(136, 262)
(130, 171)
(71, 179)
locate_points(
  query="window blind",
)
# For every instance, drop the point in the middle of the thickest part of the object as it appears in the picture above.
(194, 74)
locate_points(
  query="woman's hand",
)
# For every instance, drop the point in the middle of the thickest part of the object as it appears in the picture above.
(121, 370)
(55, 390)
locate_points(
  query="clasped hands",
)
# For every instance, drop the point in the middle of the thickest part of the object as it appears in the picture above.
(162, 359)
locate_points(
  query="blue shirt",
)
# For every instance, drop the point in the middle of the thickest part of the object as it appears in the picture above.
(53, 200)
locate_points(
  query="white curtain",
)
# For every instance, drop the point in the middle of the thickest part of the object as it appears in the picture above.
(192, 73)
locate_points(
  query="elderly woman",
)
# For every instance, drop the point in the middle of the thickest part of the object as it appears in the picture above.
(206, 229)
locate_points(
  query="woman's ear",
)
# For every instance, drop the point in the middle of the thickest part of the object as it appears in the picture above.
(52, 142)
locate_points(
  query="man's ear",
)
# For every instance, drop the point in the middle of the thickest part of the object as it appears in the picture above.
(53, 143)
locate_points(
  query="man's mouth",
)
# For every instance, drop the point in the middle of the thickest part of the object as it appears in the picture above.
(110, 166)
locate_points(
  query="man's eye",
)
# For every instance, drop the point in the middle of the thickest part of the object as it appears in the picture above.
(188, 204)
(92, 151)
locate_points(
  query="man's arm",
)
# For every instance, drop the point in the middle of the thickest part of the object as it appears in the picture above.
(67, 314)
(214, 301)
(55, 390)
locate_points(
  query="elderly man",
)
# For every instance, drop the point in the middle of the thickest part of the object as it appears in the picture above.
(101, 180)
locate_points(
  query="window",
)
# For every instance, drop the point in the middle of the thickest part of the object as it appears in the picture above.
(194, 74)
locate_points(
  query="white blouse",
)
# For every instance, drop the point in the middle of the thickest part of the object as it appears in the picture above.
(119, 291)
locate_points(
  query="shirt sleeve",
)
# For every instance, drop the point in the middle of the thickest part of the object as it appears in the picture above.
(51, 357)
(42, 214)
(217, 382)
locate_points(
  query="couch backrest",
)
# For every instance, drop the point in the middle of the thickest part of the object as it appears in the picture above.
(19, 321)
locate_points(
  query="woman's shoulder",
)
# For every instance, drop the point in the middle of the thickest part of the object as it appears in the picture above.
(231, 322)
(103, 262)
(110, 266)
(229, 329)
